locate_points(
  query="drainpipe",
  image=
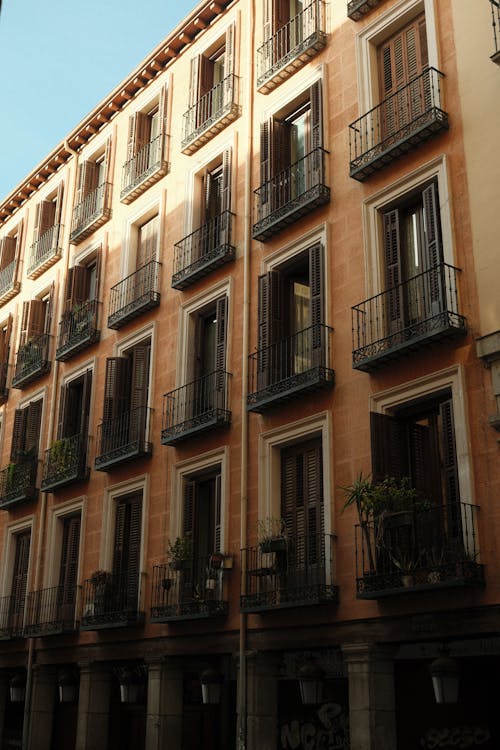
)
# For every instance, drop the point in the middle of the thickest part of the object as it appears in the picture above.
(247, 245)
(43, 505)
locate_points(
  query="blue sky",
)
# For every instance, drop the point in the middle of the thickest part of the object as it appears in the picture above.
(58, 59)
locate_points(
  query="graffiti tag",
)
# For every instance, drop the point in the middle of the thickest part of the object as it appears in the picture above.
(457, 737)
(328, 730)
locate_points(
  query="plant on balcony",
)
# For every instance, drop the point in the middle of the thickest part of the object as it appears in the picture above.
(272, 535)
(180, 552)
(61, 456)
(80, 314)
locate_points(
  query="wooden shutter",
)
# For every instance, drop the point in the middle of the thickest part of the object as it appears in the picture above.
(302, 494)
(229, 51)
(393, 272)
(63, 412)
(131, 136)
(33, 319)
(221, 334)
(45, 218)
(389, 447)
(18, 433)
(449, 453)
(80, 284)
(139, 390)
(48, 309)
(206, 76)
(68, 569)
(20, 571)
(7, 251)
(58, 206)
(98, 265)
(433, 254)
(218, 512)
(147, 242)
(5, 334)
(270, 324)
(33, 424)
(107, 163)
(316, 99)
(265, 165)
(87, 179)
(424, 469)
(142, 131)
(116, 387)
(226, 180)
(86, 393)
(189, 508)
(127, 548)
(317, 303)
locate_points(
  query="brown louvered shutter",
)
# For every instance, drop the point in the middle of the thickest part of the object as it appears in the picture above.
(58, 205)
(189, 508)
(142, 131)
(68, 570)
(139, 390)
(449, 453)
(424, 469)
(218, 512)
(94, 293)
(206, 78)
(20, 571)
(46, 213)
(63, 412)
(229, 51)
(265, 166)
(226, 180)
(317, 303)
(131, 140)
(33, 424)
(69, 302)
(433, 249)
(221, 334)
(389, 447)
(316, 99)
(80, 284)
(280, 145)
(89, 175)
(127, 549)
(393, 272)
(302, 497)
(147, 242)
(7, 251)
(270, 325)
(116, 388)
(17, 252)
(86, 393)
(5, 334)
(33, 323)
(18, 434)
(48, 309)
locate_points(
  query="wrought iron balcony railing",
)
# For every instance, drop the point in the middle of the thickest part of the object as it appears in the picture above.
(11, 616)
(91, 213)
(45, 251)
(135, 295)
(123, 438)
(495, 22)
(294, 365)
(8, 284)
(32, 360)
(292, 46)
(50, 611)
(202, 251)
(293, 571)
(18, 482)
(77, 330)
(356, 9)
(65, 462)
(289, 195)
(406, 317)
(413, 550)
(196, 407)
(210, 114)
(112, 601)
(191, 590)
(399, 124)
(144, 168)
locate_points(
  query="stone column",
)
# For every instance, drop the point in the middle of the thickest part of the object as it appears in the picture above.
(93, 707)
(372, 715)
(4, 688)
(164, 709)
(262, 702)
(43, 696)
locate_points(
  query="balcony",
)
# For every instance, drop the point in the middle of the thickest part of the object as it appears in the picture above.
(50, 611)
(210, 114)
(32, 360)
(356, 9)
(398, 125)
(419, 550)
(196, 408)
(45, 251)
(123, 438)
(18, 482)
(135, 295)
(9, 287)
(77, 330)
(145, 168)
(4, 391)
(291, 367)
(65, 462)
(291, 47)
(91, 213)
(202, 251)
(407, 317)
(194, 591)
(112, 601)
(11, 617)
(298, 572)
(291, 194)
(495, 22)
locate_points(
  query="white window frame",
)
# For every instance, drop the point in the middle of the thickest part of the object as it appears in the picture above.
(112, 495)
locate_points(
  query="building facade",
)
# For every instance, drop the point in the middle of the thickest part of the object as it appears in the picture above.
(250, 396)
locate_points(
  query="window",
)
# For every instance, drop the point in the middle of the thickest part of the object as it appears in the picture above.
(10, 252)
(125, 424)
(18, 479)
(147, 241)
(68, 569)
(292, 164)
(208, 246)
(33, 354)
(5, 334)
(36, 317)
(78, 325)
(293, 341)
(146, 149)
(212, 92)
(45, 249)
(126, 557)
(302, 495)
(12, 616)
(93, 195)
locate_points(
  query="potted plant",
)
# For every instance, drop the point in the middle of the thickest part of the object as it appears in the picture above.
(272, 535)
(179, 553)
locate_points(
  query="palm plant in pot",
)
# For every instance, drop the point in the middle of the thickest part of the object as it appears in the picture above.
(180, 553)
(272, 535)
